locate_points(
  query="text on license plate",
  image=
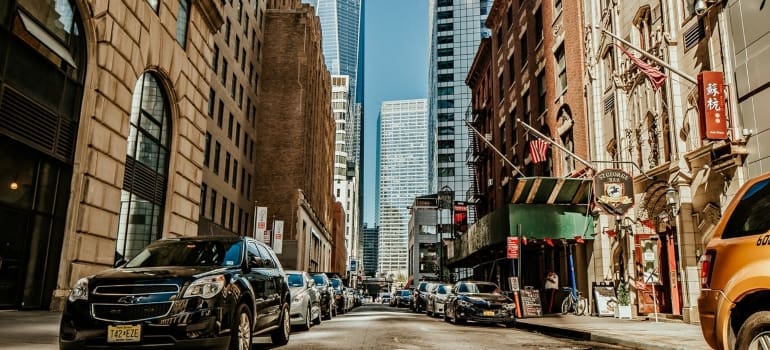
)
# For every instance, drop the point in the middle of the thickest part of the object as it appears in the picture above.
(124, 333)
(489, 313)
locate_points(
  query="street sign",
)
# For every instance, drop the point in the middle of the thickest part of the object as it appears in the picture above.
(513, 247)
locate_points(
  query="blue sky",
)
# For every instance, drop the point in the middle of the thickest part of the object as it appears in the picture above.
(395, 68)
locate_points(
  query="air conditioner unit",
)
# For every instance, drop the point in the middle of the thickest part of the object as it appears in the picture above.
(490, 182)
(488, 136)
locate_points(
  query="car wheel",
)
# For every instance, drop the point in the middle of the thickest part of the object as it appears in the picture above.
(306, 326)
(240, 329)
(446, 317)
(755, 332)
(280, 336)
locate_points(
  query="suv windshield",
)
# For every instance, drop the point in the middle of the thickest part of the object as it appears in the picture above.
(188, 253)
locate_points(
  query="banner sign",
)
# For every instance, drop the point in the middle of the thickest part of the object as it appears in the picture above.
(278, 236)
(513, 247)
(614, 191)
(260, 224)
(711, 106)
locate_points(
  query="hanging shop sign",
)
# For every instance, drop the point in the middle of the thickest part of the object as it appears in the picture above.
(711, 106)
(614, 191)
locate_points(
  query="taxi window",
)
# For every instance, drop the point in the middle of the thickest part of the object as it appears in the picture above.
(750, 215)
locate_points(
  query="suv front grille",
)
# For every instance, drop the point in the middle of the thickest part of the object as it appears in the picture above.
(136, 289)
(133, 312)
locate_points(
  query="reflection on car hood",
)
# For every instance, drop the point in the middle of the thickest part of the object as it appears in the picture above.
(158, 272)
(484, 297)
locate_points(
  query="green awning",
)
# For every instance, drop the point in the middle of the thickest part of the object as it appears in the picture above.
(550, 221)
(552, 190)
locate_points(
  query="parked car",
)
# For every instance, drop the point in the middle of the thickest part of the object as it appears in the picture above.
(326, 291)
(479, 302)
(420, 296)
(394, 297)
(404, 299)
(735, 272)
(305, 300)
(385, 298)
(436, 299)
(340, 295)
(213, 292)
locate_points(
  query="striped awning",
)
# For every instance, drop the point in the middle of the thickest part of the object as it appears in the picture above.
(552, 190)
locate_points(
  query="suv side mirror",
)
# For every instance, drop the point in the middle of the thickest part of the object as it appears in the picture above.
(310, 283)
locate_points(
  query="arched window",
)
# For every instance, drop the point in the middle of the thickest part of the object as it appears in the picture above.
(144, 184)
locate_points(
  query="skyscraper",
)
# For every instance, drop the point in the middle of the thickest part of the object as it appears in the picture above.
(457, 28)
(403, 176)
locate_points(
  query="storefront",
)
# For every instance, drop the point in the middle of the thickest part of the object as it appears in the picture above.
(551, 216)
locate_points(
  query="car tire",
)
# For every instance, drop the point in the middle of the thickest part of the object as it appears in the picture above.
(280, 336)
(755, 329)
(305, 326)
(240, 328)
(510, 324)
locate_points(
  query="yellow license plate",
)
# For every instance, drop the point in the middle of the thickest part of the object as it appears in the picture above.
(489, 313)
(124, 333)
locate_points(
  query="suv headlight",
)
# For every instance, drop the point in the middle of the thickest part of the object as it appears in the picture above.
(205, 287)
(79, 290)
(297, 298)
(464, 303)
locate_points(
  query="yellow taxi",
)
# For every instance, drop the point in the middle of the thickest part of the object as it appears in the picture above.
(734, 302)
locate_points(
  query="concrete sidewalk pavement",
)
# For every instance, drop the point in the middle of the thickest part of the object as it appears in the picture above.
(636, 333)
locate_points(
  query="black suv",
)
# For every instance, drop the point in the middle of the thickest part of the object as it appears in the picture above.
(324, 286)
(212, 292)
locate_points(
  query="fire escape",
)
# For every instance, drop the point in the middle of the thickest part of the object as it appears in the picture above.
(472, 158)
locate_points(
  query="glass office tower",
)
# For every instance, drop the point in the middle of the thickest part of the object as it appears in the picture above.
(456, 30)
(403, 176)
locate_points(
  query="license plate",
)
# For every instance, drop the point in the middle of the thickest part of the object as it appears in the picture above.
(124, 333)
(489, 313)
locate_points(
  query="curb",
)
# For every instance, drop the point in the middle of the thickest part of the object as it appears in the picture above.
(595, 337)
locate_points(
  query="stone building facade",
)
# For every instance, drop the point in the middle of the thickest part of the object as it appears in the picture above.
(295, 136)
(121, 163)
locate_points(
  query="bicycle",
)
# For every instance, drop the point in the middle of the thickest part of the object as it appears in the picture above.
(574, 302)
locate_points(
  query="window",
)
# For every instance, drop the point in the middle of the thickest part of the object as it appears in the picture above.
(446, 144)
(237, 134)
(235, 173)
(446, 172)
(204, 193)
(217, 150)
(240, 96)
(248, 186)
(561, 69)
(445, 39)
(525, 102)
(237, 47)
(446, 103)
(502, 139)
(446, 130)
(223, 212)
(213, 207)
(154, 4)
(232, 87)
(444, 14)
(538, 27)
(523, 49)
(445, 117)
(446, 64)
(227, 166)
(750, 215)
(445, 52)
(215, 59)
(445, 27)
(182, 22)
(444, 3)
(230, 127)
(212, 102)
(207, 150)
(220, 113)
(227, 31)
(557, 6)
(541, 91)
(448, 90)
(499, 36)
(446, 158)
(501, 88)
(243, 179)
(224, 71)
(140, 220)
(511, 71)
(443, 78)
(232, 216)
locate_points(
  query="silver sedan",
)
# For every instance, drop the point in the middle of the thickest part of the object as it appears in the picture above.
(437, 299)
(305, 300)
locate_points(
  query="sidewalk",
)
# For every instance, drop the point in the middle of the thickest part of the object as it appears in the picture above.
(636, 334)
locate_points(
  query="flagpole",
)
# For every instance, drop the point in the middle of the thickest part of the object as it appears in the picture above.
(534, 131)
(495, 148)
(650, 56)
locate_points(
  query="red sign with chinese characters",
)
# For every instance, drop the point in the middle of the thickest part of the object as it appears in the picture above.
(711, 104)
(513, 247)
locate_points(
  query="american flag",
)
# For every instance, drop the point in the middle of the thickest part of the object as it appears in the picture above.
(537, 150)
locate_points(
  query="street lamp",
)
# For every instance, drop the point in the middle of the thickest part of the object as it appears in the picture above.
(672, 201)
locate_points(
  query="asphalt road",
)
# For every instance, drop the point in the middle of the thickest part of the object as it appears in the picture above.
(377, 326)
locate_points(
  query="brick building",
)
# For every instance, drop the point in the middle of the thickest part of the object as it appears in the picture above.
(295, 136)
(530, 69)
(102, 118)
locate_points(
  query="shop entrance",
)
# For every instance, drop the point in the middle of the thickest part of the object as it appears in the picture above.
(654, 256)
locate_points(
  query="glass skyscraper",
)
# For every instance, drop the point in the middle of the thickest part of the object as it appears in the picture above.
(456, 30)
(403, 176)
